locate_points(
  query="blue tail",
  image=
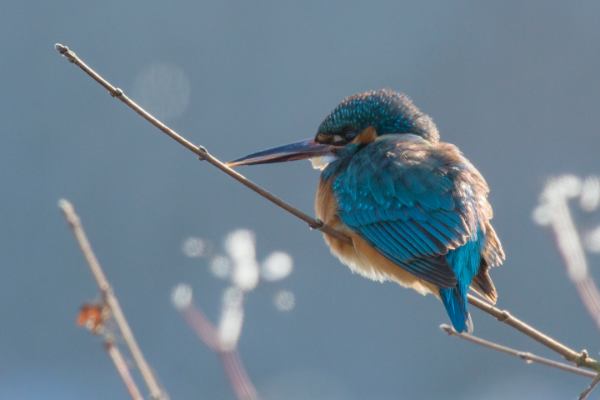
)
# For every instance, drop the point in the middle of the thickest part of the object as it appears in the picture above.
(465, 262)
(455, 301)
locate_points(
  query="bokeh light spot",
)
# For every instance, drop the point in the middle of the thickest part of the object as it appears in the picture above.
(220, 267)
(181, 296)
(590, 194)
(163, 89)
(240, 246)
(233, 297)
(592, 240)
(195, 247)
(277, 266)
(284, 300)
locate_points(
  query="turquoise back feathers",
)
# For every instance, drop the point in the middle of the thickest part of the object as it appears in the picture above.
(417, 201)
(416, 209)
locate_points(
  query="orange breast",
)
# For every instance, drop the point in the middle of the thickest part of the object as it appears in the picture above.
(360, 257)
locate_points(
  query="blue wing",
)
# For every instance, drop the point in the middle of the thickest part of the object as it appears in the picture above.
(414, 202)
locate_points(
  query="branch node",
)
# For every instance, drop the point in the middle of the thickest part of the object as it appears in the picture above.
(111, 301)
(582, 359)
(203, 153)
(106, 291)
(524, 356)
(448, 330)
(61, 49)
(109, 341)
(117, 93)
(65, 52)
(69, 212)
(317, 224)
(504, 316)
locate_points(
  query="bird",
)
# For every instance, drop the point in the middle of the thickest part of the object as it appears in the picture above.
(415, 208)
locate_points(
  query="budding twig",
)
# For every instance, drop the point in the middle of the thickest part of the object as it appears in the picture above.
(202, 153)
(521, 354)
(591, 387)
(580, 359)
(111, 300)
(115, 354)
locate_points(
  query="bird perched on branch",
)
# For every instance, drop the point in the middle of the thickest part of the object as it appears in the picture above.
(415, 208)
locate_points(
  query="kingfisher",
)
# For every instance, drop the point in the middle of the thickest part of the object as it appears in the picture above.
(415, 208)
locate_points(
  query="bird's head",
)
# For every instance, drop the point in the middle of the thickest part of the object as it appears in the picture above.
(354, 123)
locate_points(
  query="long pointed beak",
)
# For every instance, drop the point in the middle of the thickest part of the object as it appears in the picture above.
(290, 152)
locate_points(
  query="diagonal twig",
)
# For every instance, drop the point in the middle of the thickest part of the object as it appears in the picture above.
(591, 387)
(202, 153)
(111, 300)
(580, 359)
(554, 211)
(521, 354)
(230, 358)
(117, 358)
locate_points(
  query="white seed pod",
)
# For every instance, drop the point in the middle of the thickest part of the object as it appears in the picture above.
(277, 266)
(181, 297)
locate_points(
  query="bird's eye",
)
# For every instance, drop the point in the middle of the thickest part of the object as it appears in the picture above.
(337, 139)
(342, 140)
(349, 136)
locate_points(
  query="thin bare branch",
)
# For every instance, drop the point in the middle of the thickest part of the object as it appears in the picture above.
(204, 329)
(522, 355)
(580, 359)
(591, 387)
(554, 211)
(111, 300)
(202, 153)
(240, 382)
(588, 291)
(115, 354)
(238, 377)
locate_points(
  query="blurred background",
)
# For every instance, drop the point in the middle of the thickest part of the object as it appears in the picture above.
(515, 85)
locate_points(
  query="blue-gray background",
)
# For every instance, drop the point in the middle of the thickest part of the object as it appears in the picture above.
(515, 85)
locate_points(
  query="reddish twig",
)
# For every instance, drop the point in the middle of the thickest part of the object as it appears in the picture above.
(200, 151)
(591, 387)
(111, 300)
(554, 211)
(117, 358)
(580, 359)
(240, 382)
(238, 377)
(521, 354)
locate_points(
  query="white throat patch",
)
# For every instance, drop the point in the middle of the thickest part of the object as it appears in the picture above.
(322, 162)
